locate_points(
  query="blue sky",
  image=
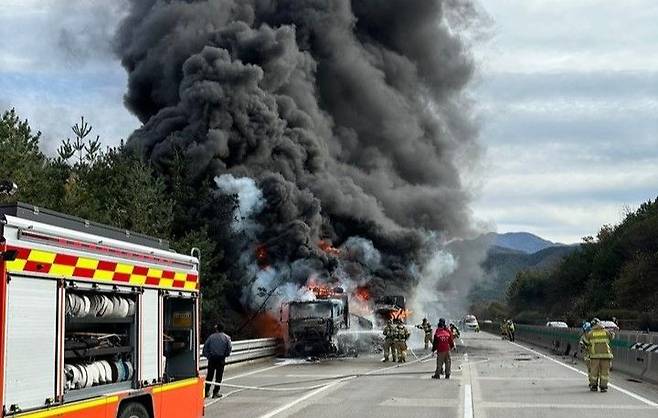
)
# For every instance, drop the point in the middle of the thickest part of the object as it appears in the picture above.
(567, 92)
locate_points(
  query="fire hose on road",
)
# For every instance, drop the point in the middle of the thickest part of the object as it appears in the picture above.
(334, 379)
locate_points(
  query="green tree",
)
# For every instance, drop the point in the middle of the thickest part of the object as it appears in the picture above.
(22, 162)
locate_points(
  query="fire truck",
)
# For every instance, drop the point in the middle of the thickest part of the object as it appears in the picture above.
(96, 321)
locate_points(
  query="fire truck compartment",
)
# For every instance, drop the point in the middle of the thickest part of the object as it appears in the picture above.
(30, 343)
(178, 337)
(99, 339)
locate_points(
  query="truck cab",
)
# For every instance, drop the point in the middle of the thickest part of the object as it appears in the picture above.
(313, 325)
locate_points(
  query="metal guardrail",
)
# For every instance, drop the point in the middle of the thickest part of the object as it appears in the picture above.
(247, 350)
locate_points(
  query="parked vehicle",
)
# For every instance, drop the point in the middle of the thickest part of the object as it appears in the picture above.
(557, 324)
(610, 326)
(97, 321)
(471, 323)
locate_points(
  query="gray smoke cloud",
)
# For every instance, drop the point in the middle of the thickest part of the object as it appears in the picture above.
(349, 115)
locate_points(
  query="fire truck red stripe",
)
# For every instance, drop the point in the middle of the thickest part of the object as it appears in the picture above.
(191, 277)
(168, 274)
(66, 260)
(37, 267)
(82, 272)
(121, 277)
(140, 271)
(153, 281)
(179, 283)
(106, 265)
(21, 253)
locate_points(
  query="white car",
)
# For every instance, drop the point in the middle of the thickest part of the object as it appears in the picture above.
(471, 323)
(557, 324)
(610, 326)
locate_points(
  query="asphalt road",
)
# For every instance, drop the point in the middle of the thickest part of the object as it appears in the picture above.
(490, 378)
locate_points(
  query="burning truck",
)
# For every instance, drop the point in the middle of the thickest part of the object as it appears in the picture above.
(390, 307)
(321, 326)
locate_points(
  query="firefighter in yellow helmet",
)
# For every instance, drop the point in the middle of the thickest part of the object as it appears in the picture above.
(600, 355)
(389, 341)
(401, 336)
(427, 329)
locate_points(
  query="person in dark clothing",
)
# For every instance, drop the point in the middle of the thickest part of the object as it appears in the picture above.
(216, 348)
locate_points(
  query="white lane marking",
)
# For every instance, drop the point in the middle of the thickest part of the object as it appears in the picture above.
(468, 401)
(303, 398)
(577, 406)
(276, 366)
(624, 391)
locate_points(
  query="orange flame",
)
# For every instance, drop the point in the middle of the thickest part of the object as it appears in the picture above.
(262, 256)
(401, 314)
(362, 294)
(326, 246)
(320, 290)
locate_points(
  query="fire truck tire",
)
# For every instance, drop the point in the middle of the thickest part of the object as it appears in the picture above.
(133, 410)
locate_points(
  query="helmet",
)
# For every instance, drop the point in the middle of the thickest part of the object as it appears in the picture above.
(587, 326)
(595, 321)
(424, 319)
(442, 322)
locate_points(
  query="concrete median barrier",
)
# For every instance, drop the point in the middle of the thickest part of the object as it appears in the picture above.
(636, 353)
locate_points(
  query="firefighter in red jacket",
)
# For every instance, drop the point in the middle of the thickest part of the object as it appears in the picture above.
(443, 343)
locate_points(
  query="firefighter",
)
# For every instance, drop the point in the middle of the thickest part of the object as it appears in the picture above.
(443, 343)
(389, 341)
(503, 330)
(401, 336)
(427, 328)
(216, 348)
(510, 330)
(584, 345)
(455, 331)
(598, 341)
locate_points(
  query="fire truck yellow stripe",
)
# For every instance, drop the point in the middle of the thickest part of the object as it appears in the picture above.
(87, 263)
(61, 270)
(137, 279)
(103, 275)
(124, 268)
(166, 282)
(16, 265)
(41, 256)
(155, 273)
(30, 260)
(60, 410)
(176, 385)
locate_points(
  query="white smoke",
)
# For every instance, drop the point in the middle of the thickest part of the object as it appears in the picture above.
(427, 301)
(250, 198)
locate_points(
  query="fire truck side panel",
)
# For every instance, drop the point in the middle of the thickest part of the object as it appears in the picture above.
(150, 357)
(33, 330)
(105, 407)
(31, 342)
(180, 399)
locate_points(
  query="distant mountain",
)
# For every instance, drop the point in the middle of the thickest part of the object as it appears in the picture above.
(502, 264)
(524, 242)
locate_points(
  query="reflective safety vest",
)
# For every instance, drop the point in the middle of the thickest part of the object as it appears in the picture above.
(598, 342)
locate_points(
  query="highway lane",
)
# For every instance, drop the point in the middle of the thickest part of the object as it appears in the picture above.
(491, 378)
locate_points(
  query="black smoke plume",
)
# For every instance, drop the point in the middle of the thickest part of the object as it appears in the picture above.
(349, 115)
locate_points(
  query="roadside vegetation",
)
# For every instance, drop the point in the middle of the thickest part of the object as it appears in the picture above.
(614, 274)
(113, 186)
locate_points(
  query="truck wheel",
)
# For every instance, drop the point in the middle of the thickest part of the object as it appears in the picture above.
(134, 410)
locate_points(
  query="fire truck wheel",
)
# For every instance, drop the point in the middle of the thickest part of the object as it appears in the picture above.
(134, 410)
